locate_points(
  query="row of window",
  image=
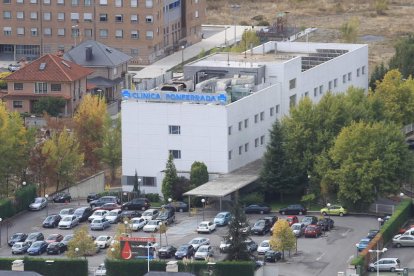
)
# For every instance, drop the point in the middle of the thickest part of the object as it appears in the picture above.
(40, 87)
(118, 3)
(144, 181)
(272, 111)
(245, 148)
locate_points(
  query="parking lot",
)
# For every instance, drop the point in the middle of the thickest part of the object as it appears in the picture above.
(325, 255)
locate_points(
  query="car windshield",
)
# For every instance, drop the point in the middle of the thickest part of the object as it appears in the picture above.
(264, 244)
(16, 236)
(49, 218)
(195, 241)
(183, 248)
(38, 200)
(153, 222)
(289, 219)
(260, 223)
(306, 219)
(102, 238)
(364, 242)
(36, 244)
(203, 249)
(269, 253)
(79, 212)
(52, 237)
(64, 212)
(67, 219)
(203, 225)
(113, 213)
(68, 238)
(311, 228)
(220, 216)
(296, 227)
(135, 220)
(17, 245)
(97, 221)
(98, 213)
(32, 236)
(146, 213)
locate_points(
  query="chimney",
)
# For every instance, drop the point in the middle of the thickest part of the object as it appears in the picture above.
(88, 53)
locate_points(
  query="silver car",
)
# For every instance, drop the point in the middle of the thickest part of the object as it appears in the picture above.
(100, 224)
(298, 229)
(204, 252)
(385, 264)
(68, 222)
(407, 240)
(38, 204)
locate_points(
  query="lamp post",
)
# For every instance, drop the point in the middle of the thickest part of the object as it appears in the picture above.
(329, 214)
(204, 205)
(77, 251)
(401, 196)
(139, 185)
(245, 43)
(75, 29)
(159, 230)
(47, 210)
(234, 7)
(126, 227)
(378, 251)
(0, 230)
(182, 57)
(148, 246)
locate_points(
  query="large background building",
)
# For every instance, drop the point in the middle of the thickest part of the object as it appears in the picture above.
(251, 91)
(144, 29)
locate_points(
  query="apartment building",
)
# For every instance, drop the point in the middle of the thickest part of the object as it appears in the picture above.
(147, 30)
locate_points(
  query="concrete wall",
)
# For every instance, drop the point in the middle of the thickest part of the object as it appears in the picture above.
(92, 184)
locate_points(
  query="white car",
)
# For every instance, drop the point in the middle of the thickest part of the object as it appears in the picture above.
(263, 247)
(103, 241)
(68, 222)
(137, 223)
(206, 227)
(98, 214)
(114, 215)
(204, 252)
(150, 214)
(199, 241)
(66, 212)
(151, 226)
(298, 229)
(38, 204)
(101, 270)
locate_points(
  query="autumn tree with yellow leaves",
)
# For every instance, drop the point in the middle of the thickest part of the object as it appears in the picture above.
(282, 238)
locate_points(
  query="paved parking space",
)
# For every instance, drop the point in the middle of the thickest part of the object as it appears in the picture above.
(322, 256)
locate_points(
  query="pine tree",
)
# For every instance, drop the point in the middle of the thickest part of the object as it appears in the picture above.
(170, 178)
(137, 188)
(236, 237)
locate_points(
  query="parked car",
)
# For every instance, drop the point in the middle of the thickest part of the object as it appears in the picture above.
(251, 245)
(34, 237)
(51, 221)
(137, 204)
(114, 216)
(166, 215)
(272, 256)
(166, 252)
(83, 213)
(261, 227)
(185, 250)
(294, 209)
(150, 214)
(406, 240)
(103, 241)
(313, 230)
(102, 200)
(37, 248)
(245, 228)
(100, 224)
(298, 229)
(137, 223)
(54, 238)
(92, 197)
(292, 219)
(204, 252)
(67, 238)
(62, 198)
(152, 226)
(263, 247)
(129, 214)
(108, 207)
(13, 67)
(20, 247)
(206, 227)
(97, 214)
(56, 248)
(326, 224)
(68, 222)
(363, 243)
(409, 232)
(178, 206)
(38, 204)
(66, 212)
(332, 210)
(257, 208)
(309, 220)
(17, 237)
(101, 270)
(385, 264)
(197, 242)
(271, 219)
(372, 233)
(224, 246)
(222, 218)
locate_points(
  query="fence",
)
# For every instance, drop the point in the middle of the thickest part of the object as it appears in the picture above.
(382, 208)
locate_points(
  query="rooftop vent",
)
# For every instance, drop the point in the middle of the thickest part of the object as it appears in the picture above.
(42, 66)
(88, 53)
(108, 50)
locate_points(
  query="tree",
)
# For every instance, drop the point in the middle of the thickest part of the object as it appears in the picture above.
(236, 237)
(90, 121)
(282, 238)
(83, 241)
(198, 174)
(377, 76)
(369, 160)
(249, 38)
(179, 187)
(121, 229)
(3, 83)
(136, 188)
(170, 178)
(63, 158)
(51, 105)
(349, 30)
(403, 57)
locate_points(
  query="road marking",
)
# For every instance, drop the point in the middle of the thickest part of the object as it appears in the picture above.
(346, 233)
(320, 257)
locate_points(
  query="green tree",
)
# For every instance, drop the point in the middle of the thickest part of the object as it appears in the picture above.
(377, 76)
(179, 187)
(170, 178)
(369, 160)
(349, 30)
(83, 242)
(3, 83)
(63, 158)
(403, 57)
(249, 37)
(236, 237)
(51, 105)
(121, 230)
(198, 174)
(136, 188)
(381, 6)
(282, 238)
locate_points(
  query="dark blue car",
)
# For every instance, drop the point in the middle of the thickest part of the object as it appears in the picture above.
(37, 248)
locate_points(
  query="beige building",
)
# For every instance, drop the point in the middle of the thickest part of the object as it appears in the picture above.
(147, 30)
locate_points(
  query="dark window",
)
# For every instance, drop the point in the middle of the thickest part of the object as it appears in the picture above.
(56, 87)
(18, 86)
(174, 129)
(103, 17)
(17, 104)
(176, 154)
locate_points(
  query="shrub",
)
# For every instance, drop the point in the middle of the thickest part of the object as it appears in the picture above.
(244, 23)
(6, 208)
(23, 197)
(252, 198)
(258, 17)
(132, 267)
(153, 197)
(263, 23)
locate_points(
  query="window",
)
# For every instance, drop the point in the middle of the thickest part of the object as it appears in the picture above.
(18, 86)
(320, 89)
(118, 3)
(246, 147)
(149, 35)
(103, 2)
(196, 14)
(306, 94)
(87, 17)
(229, 129)
(47, 31)
(17, 104)
(74, 16)
(33, 31)
(103, 33)
(149, 18)
(176, 154)
(46, 2)
(47, 16)
(87, 33)
(246, 123)
(148, 4)
(134, 18)
(88, 3)
(119, 33)
(20, 15)
(262, 116)
(33, 1)
(229, 154)
(40, 88)
(330, 85)
(256, 118)
(61, 32)
(20, 1)
(61, 2)
(363, 70)
(344, 78)
(55, 87)
(262, 139)
(6, 1)
(335, 82)
(240, 125)
(292, 100)
(277, 109)
(103, 17)
(349, 76)
(134, 34)
(256, 142)
(272, 111)
(315, 91)
(75, 2)
(33, 15)
(7, 31)
(119, 18)
(358, 72)
(134, 3)
(7, 14)
(20, 31)
(134, 51)
(149, 181)
(292, 84)
(174, 130)
(240, 150)
(61, 16)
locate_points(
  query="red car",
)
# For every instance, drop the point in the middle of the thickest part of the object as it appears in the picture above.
(292, 219)
(313, 230)
(54, 238)
(108, 207)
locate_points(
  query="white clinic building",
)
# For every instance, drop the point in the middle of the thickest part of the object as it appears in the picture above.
(224, 120)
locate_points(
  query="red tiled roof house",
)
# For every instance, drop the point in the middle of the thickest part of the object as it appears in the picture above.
(49, 75)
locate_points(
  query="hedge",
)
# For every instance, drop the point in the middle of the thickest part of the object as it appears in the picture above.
(6, 208)
(61, 267)
(23, 197)
(132, 267)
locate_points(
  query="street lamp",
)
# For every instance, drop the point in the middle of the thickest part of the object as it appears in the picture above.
(77, 251)
(47, 210)
(401, 196)
(378, 251)
(159, 230)
(24, 183)
(126, 227)
(329, 212)
(234, 7)
(0, 230)
(204, 205)
(148, 246)
(182, 57)
(245, 43)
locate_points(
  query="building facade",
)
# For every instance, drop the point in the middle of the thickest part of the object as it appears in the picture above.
(144, 29)
(259, 87)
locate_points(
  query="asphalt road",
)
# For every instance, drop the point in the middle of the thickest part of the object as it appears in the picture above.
(324, 256)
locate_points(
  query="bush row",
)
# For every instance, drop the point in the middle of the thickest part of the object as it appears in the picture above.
(22, 198)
